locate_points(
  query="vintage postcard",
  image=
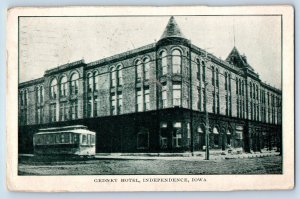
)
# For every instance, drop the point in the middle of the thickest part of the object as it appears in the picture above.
(150, 98)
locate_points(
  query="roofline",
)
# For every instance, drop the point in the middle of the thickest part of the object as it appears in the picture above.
(122, 55)
(31, 82)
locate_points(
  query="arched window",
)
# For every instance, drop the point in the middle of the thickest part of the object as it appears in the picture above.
(53, 89)
(250, 90)
(256, 92)
(90, 82)
(113, 77)
(146, 68)
(74, 83)
(198, 69)
(37, 94)
(164, 62)
(120, 76)
(63, 86)
(213, 76)
(229, 82)
(203, 71)
(217, 77)
(176, 61)
(139, 71)
(95, 81)
(240, 87)
(225, 80)
(41, 94)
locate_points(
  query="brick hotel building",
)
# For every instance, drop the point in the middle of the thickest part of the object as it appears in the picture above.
(152, 99)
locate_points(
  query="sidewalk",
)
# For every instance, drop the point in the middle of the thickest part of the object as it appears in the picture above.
(199, 155)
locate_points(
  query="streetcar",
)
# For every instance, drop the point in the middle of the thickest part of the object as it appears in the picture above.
(74, 140)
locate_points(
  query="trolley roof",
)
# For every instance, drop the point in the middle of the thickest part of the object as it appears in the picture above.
(79, 129)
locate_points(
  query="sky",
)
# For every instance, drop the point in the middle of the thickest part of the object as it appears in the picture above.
(47, 42)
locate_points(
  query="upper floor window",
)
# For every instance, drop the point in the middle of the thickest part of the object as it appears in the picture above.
(113, 104)
(41, 94)
(139, 71)
(164, 96)
(176, 61)
(63, 86)
(147, 99)
(237, 85)
(217, 77)
(120, 103)
(198, 69)
(213, 76)
(240, 87)
(95, 81)
(53, 89)
(90, 82)
(203, 71)
(120, 76)
(37, 94)
(139, 100)
(113, 77)
(256, 92)
(250, 90)
(229, 82)
(176, 94)
(74, 83)
(164, 62)
(226, 80)
(146, 68)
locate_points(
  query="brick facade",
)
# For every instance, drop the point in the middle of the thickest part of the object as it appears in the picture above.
(254, 109)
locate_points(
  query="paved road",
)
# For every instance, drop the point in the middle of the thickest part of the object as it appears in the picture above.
(261, 165)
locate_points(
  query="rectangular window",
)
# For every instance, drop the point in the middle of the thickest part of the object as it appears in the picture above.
(203, 100)
(176, 95)
(95, 106)
(147, 99)
(214, 102)
(113, 104)
(53, 112)
(164, 96)
(218, 103)
(120, 103)
(63, 113)
(139, 100)
(89, 107)
(74, 109)
(199, 99)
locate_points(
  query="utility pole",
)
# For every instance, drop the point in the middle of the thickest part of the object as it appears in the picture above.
(206, 124)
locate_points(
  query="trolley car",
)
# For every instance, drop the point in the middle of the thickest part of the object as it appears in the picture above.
(68, 140)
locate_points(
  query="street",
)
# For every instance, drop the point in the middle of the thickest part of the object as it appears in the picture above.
(162, 166)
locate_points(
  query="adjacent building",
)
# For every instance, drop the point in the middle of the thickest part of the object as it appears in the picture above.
(154, 99)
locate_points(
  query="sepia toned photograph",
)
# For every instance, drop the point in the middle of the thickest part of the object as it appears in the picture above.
(186, 96)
